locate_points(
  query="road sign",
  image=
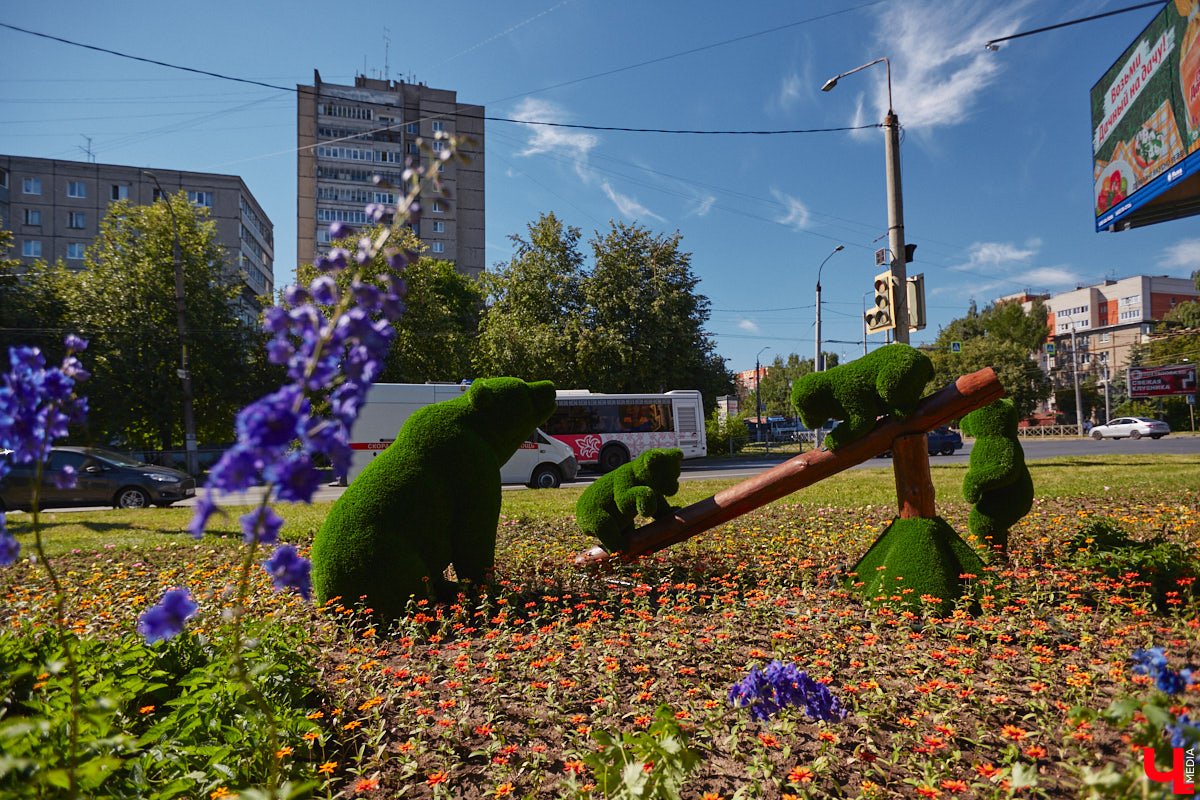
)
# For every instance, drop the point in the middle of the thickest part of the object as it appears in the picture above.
(1050, 348)
(956, 347)
(1191, 399)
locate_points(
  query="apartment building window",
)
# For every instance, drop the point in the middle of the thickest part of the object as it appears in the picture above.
(391, 156)
(1103, 356)
(439, 227)
(439, 247)
(438, 207)
(3, 179)
(75, 251)
(411, 128)
(31, 248)
(31, 186)
(439, 127)
(1104, 337)
(119, 192)
(439, 146)
(416, 229)
(385, 198)
(158, 194)
(1132, 300)
(441, 167)
(76, 189)
(1085, 358)
(1135, 313)
(412, 148)
(201, 199)
(76, 219)
(33, 216)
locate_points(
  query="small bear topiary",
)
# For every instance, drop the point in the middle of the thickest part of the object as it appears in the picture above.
(431, 499)
(888, 380)
(607, 509)
(917, 560)
(997, 482)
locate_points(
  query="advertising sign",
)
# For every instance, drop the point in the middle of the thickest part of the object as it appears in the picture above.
(1146, 120)
(1162, 381)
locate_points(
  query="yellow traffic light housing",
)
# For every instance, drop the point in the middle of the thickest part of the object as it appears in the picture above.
(882, 317)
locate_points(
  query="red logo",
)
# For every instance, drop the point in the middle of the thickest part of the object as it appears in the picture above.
(1183, 770)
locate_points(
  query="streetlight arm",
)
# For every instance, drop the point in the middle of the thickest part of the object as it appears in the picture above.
(832, 82)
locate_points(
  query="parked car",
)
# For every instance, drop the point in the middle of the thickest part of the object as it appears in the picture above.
(1132, 427)
(103, 477)
(939, 440)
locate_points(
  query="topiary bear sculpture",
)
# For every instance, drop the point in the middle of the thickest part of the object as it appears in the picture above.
(607, 509)
(888, 380)
(431, 499)
(997, 482)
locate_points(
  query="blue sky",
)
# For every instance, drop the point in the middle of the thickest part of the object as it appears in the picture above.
(996, 149)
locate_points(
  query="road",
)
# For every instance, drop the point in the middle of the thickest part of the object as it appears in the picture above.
(740, 469)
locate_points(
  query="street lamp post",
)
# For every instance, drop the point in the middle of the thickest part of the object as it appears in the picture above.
(191, 454)
(818, 362)
(758, 394)
(891, 124)
(1075, 376)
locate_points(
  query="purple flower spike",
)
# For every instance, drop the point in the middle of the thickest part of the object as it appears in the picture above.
(340, 230)
(166, 620)
(75, 343)
(263, 524)
(10, 548)
(205, 508)
(289, 571)
(65, 477)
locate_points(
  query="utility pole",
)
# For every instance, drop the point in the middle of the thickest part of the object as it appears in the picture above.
(818, 361)
(758, 398)
(191, 453)
(1075, 375)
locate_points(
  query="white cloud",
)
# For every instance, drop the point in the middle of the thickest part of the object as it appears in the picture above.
(706, 204)
(1010, 267)
(542, 139)
(938, 62)
(749, 326)
(796, 215)
(1183, 255)
(628, 206)
(790, 92)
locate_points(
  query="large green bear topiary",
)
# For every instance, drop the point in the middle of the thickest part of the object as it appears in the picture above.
(608, 508)
(431, 499)
(888, 380)
(997, 482)
(917, 563)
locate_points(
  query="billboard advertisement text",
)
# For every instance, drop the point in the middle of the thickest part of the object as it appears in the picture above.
(1162, 381)
(1146, 116)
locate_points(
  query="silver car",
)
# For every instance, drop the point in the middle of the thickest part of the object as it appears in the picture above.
(1131, 427)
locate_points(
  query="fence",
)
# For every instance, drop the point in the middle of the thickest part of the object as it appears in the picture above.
(1038, 431)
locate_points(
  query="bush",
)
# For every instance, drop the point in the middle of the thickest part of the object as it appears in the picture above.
(728, 435)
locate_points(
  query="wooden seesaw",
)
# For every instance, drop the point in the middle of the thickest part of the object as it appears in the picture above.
(910, 463)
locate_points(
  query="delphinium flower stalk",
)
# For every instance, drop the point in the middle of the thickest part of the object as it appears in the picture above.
(333, 344)
(1153, 662)
(769, 691)
(36, 406)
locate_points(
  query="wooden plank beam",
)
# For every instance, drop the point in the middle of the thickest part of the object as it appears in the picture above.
(964, 395)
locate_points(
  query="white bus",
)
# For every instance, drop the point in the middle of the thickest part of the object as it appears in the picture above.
(607, 430)
(542, 462)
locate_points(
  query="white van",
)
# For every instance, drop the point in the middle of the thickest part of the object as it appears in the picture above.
(542, 462)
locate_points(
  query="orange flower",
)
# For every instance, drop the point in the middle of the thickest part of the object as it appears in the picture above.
(927, 791)
(221, 793)
(366, 785)
(1036, 752)
(827, 736)
(800, 775)
(768, 740)
(954, 785)
(1013, 732)
(504, 790)
(283, 751)
(437, 777)
(986, 770)
(327, 768)
(146, 710)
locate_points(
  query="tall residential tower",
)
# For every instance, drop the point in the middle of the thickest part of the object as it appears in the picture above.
(348, 134)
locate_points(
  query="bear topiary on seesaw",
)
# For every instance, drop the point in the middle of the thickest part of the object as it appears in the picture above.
(997, 482)
(889, 380)
(431, 499)
(607, 509)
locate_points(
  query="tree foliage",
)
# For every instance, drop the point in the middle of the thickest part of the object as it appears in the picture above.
(33, 312)
(775, 386)
(1002, 336)
(634, 322)
(123, 301)
(1176, 340)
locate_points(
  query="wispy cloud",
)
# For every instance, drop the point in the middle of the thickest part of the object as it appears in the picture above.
(1010, 267)
(939, 66)
(705, 205)
(563, 141)
(790, 92)
(795, 212)
(628, 206)
(749, 326)
(1184, 256)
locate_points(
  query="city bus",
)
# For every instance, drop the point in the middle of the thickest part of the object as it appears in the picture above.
(607, 430)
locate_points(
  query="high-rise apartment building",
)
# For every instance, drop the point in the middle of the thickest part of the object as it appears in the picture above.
(349, 134)
(54, 209)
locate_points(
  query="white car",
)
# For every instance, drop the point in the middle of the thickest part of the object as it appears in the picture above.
(1132, 427)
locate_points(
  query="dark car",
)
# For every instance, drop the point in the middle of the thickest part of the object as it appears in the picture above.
(103, 478)
(939, 440)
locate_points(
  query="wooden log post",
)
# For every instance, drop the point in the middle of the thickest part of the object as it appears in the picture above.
(914, 485)
(966, 394)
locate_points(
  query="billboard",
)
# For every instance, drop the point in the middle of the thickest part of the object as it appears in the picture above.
(1162, 381)
(1146, 125)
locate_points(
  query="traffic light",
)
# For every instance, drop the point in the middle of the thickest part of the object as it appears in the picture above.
(916, 302)
(881, 317)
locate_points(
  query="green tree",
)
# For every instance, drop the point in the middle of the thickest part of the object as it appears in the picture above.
(435, 337)
(776, 384)
(33, 308)
(531, 327)
(1003, 336)
(644, 320)
(123, 301)
(1176, 341)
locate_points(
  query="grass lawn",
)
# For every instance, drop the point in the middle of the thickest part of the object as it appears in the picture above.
(505, 693)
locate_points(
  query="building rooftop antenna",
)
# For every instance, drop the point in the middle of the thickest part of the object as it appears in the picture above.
(87, 151)
(387, 44)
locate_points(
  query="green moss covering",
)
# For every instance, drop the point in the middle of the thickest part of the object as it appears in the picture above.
(889, 380)
(927, 557)
(608, 508)
(431, 499)
(997, 481)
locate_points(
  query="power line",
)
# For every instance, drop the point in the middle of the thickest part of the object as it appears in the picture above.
(991, 43)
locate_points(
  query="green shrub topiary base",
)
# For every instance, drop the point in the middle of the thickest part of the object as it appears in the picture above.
(914, 560)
